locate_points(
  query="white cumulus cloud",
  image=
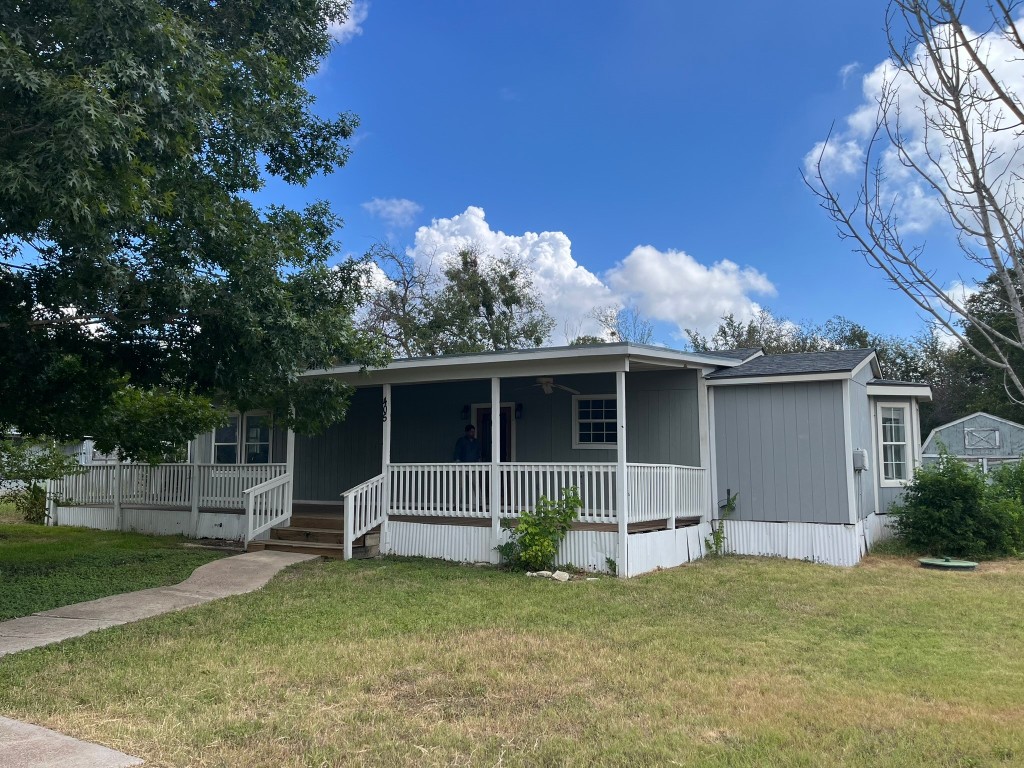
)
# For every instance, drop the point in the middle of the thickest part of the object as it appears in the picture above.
(669, 286)
(353, 25)
(396, 211)
(674, 287)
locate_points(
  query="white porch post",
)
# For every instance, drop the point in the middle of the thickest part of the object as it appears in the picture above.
(495, 500)
(289, 459)
(385, 465)
(193, 520)
(118, 514)
(621, 479)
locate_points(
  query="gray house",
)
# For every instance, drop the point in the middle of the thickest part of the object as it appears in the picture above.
(980, 439)
(814, 447)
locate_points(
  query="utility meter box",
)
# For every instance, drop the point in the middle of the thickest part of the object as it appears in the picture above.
(860, 460)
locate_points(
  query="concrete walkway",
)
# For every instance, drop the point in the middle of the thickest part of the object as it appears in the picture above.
(221, 578)
(29, 746)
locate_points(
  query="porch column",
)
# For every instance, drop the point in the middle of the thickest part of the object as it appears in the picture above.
(118, 513)
(289, 458)
(385, 463)
(621, 478)
(193, 518)
(495, 500)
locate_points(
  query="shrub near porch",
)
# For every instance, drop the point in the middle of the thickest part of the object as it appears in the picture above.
(732, 661)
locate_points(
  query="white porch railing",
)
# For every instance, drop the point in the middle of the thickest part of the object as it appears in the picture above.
(443, 490)
(665, 492)
(523, 484)
(267, 505)
(159, 484)
(96, 485)
(364, 510)
(221, 485)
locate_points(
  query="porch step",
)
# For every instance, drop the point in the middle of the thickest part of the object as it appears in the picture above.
(315, 548)
(318, 535)
(320, 522)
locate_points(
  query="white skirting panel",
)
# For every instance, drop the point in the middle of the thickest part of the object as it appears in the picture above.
(589, 550)
(665, 549)
(876, 528)
(161, 522)
(87, 517)
(462, 543)
(819, 542)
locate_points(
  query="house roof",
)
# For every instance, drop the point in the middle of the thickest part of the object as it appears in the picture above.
(544, 361)
(797, 364)
(895, 383)
(742, 354)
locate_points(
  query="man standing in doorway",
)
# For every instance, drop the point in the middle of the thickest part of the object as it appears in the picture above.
(467, 447)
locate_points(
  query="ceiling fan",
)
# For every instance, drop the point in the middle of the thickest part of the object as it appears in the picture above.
(547, 386)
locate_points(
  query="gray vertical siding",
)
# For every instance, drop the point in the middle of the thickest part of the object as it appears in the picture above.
(781, 447)
(860, 422)
(345, 455)
(1011, 437)
(661, 418)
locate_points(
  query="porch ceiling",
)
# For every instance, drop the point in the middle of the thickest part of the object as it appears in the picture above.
(603, 358)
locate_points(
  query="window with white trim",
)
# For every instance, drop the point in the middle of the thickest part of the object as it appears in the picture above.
(245, 439)
(895, 444)
(257, 439)
(594, 421)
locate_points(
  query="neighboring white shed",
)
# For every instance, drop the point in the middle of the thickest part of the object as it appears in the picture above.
(981, 439)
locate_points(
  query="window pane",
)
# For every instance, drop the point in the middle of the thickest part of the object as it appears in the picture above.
(226, 454)
(257, 429)
(228, 433)
(257, 453)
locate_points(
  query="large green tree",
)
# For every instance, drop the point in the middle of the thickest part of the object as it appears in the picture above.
(464, 302)
(138, 281)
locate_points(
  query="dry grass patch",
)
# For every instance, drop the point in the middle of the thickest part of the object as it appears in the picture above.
(730, 662)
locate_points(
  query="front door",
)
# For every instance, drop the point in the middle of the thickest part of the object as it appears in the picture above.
(483, 431)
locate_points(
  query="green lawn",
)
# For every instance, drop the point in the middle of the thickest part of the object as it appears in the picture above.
(44, 567)
(731, 662)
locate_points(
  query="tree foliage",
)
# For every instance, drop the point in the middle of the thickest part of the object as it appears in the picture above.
(138, 282)
(950, 120)
(624, 323)
(469, 302)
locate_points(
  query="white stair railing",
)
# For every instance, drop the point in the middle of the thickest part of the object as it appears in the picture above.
(267, 504)
(364, 510)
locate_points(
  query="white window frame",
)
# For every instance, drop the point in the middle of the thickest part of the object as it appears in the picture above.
(977, 432)
(908, 444)
(576, 444)
(240, 441)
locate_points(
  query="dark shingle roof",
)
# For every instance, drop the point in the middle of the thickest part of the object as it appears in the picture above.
(801, 363)
(733, 354)
(897, 383)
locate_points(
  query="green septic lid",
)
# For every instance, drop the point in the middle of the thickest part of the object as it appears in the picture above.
(947, 564)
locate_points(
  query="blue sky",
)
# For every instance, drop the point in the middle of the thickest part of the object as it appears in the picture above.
(675, 125)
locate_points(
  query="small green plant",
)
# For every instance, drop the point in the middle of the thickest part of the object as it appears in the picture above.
(715, 543)
(533, 544)
(952, 509)
(30, 503)
(612, 565)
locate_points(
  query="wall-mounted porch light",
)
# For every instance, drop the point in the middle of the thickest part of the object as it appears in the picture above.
(464, 414)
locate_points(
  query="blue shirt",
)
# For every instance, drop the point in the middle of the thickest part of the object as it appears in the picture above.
(467, 449)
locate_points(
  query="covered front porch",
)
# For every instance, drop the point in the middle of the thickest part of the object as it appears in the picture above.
(626, 426)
